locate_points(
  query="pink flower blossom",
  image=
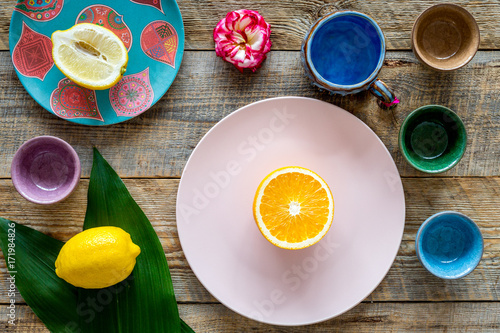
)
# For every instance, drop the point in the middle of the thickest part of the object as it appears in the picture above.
(242, 38)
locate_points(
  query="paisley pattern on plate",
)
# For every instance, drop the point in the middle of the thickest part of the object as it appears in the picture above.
(148, 75)
(159, 41)
(69, 100)
(107, 17)
(132, 95)
(153, 3)
(40, 10)
(32, 55)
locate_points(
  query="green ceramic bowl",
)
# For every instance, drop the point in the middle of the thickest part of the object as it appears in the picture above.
(432, 138)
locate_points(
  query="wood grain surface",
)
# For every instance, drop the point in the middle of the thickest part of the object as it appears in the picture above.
(150, 152)
(480, 317)
(406, 281)
(159, 142)
(290, 19)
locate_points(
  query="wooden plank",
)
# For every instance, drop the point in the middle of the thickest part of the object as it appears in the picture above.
(406, 281)
(6, 9)
(364, 318)
(478, 198)
(159, 142)
(291, 19)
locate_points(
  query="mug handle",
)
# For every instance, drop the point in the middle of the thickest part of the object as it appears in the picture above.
(386, 97)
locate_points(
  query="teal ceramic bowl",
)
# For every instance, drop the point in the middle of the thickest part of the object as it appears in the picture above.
(432, 138)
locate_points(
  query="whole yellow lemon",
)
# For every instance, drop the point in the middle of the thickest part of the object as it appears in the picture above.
(97, 258)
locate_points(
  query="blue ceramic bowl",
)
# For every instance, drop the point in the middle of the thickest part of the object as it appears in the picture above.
(449, 245)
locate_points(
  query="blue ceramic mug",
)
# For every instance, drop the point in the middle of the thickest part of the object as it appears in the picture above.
(343, 53)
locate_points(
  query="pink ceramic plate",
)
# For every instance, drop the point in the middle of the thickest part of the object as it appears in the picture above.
(225, 248)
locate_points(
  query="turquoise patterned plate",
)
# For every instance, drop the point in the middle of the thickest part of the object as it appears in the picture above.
(152, 31)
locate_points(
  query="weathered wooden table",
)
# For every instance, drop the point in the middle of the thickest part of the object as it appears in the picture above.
(150, 151)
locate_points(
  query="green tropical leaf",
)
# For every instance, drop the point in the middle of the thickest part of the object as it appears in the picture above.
(144, 302)
(185, 327)
(33, 267)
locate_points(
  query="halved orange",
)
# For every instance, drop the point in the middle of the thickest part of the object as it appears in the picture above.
(293, 207)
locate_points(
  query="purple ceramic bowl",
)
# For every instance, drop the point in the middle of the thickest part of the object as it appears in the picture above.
(45, 170)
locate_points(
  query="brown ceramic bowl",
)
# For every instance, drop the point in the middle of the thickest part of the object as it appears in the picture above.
(445, 37)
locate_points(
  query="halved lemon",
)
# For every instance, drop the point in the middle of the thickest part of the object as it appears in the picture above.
(90, 55)
(293, 207)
